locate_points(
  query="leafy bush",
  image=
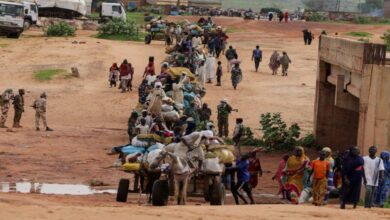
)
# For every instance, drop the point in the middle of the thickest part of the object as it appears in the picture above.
(267, 10)
(361, 20)
(276, 134)
(249, 139)
(307, 141)
(386, 38)
(117, 28)
(61, 29)
(315, 16)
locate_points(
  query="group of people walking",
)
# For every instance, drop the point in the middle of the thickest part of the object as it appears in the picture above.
(299, 178)
(8, 98)
(122, 74)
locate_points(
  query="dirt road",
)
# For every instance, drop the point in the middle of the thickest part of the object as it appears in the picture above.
(89, 118)
(32, 207)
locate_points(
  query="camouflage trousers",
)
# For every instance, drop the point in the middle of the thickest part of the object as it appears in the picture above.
(17, 116)
(4, 113)
(223, 127)
(38, 117)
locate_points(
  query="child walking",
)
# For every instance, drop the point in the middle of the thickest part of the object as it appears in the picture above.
(320, 169)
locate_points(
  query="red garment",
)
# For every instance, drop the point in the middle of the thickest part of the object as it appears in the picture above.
(254, 169)
(149, 70)
(124, 70)
(286, 16)
(279, 174)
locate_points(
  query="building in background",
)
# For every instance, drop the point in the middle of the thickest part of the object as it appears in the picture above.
(205, 3)
(386, 9)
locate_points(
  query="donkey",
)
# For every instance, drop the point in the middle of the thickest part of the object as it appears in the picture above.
(182, 157)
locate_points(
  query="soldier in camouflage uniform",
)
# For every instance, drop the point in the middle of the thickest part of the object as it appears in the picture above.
(5, 102)
(224, 109)
(19, 108)
(40, 111)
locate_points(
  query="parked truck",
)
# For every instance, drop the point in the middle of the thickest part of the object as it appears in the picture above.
(111, 10)
(30, 14)
(11, 19)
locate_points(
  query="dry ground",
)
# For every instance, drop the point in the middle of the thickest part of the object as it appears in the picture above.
(89, 117)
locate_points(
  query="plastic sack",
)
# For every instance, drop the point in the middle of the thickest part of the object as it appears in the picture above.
(225, 156)
(139, 143)
(155, 147)
(166, 108)
(132, 149)
(212, 165)
(131, 166)
(177, 71)
(150, 138)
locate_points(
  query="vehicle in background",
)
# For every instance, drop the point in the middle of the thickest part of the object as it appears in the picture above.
(249, 15)
(112, 11)
(67, 9)
(30, 14)
(11, 19)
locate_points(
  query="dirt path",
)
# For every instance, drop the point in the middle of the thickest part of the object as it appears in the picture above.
(24, 207)
(89, 118)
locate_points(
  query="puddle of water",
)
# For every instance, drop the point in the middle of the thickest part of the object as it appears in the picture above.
(54, 189)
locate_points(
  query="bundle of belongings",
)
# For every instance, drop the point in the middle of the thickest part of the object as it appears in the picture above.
(171, 109)
(157, 25)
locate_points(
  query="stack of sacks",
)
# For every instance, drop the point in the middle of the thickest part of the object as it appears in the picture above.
(135, 156)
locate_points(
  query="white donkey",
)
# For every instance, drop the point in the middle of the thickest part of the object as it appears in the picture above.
(186, 157)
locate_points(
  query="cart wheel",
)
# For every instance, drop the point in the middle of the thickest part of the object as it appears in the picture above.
(148, 39)
(160, 193)
(217, 194)
(206, 188)
(123, 190)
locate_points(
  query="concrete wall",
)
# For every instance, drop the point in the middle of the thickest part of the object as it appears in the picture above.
(386, 9)
(353, 95)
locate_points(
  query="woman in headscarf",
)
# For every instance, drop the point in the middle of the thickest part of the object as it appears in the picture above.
(156, 99)
(125, 75)
(352, 176)
(274, 63)
(295, 174)
(331, 162)
(382, 192)
(279, 174)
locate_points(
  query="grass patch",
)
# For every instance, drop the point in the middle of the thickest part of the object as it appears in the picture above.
(49, 74)
(123, 37)
(3, 45)
(359, 34)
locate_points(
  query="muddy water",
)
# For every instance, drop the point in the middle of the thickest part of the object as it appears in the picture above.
(54, 189)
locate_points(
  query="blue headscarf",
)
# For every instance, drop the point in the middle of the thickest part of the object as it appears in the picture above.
(385, 155)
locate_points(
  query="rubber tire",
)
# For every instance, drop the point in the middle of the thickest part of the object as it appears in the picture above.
(26, 24)
(217, 194)
(148, 39)
(160, 193)
(123, 190)
(13, 35)
(206, 189)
